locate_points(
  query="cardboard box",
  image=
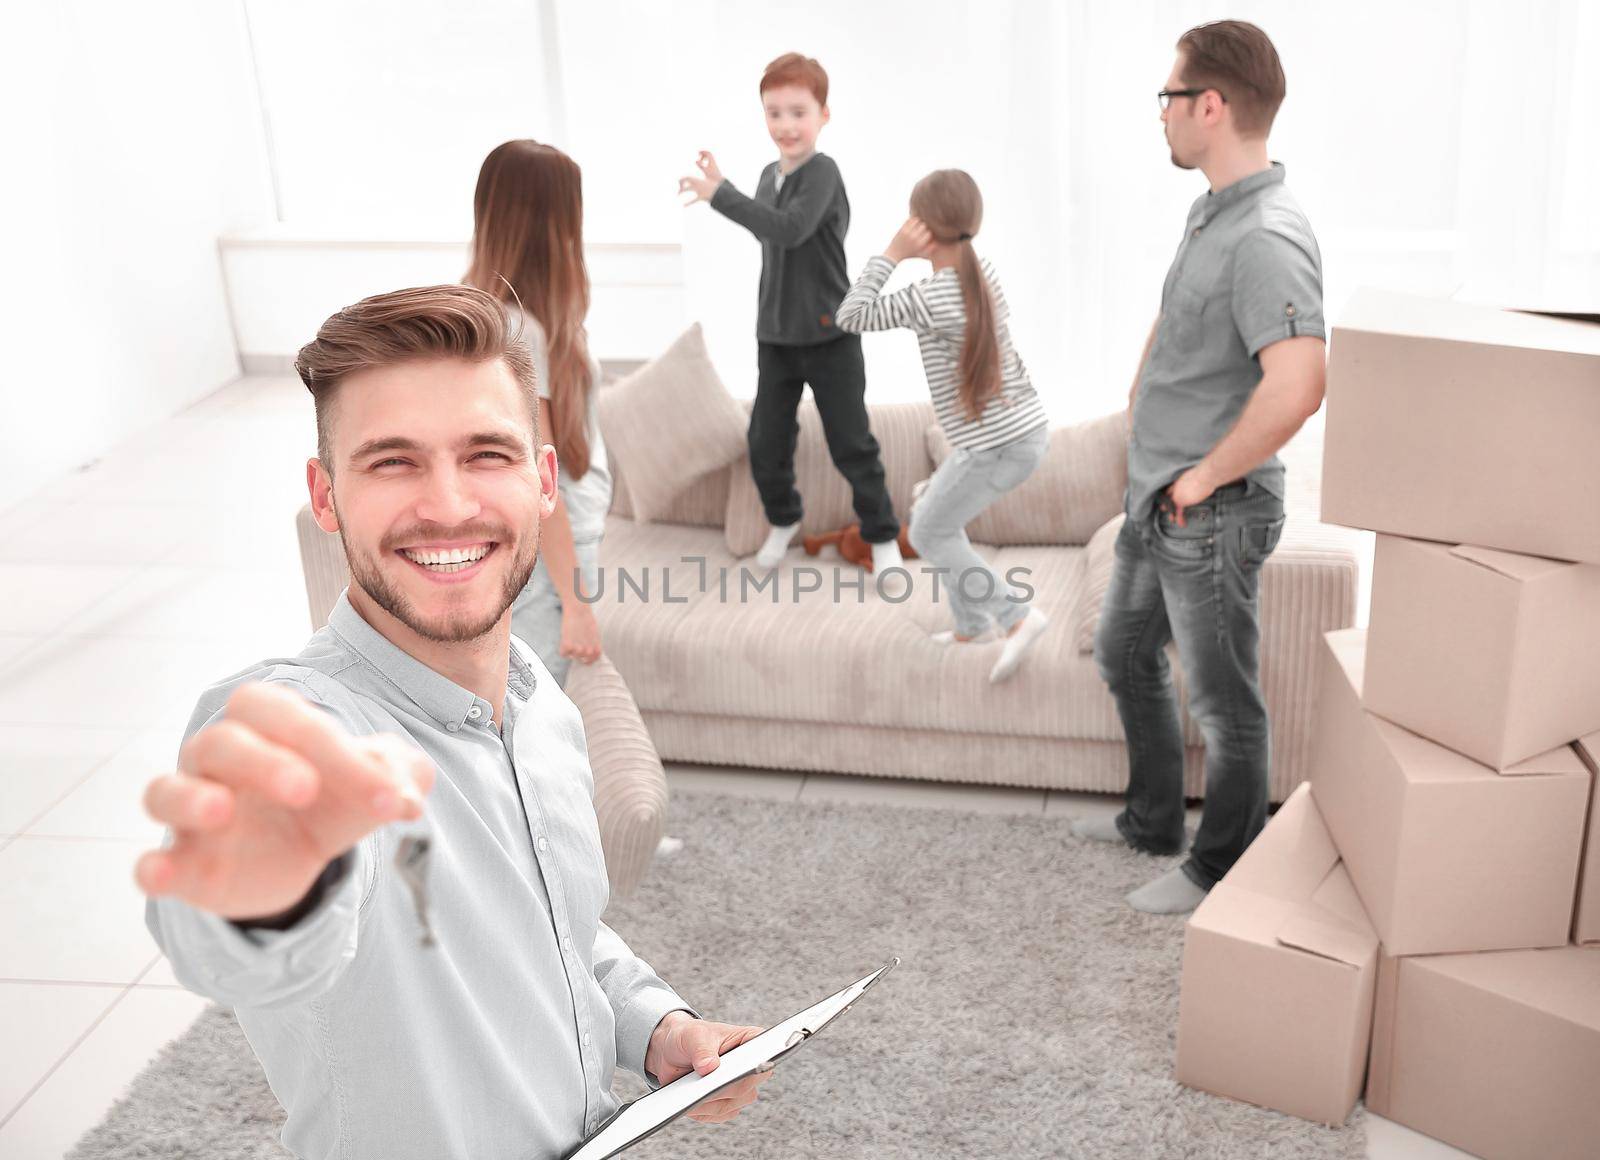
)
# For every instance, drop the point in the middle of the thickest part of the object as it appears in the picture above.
(1279, 965)
(1447, 854)
(1586, 915)
(1493, 654)
(1498, 1054)
(1464, 424)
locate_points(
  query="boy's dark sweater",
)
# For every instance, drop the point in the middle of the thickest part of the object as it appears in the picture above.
(801, 228)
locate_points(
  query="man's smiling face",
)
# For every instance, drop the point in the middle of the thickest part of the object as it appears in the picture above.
(438, 491)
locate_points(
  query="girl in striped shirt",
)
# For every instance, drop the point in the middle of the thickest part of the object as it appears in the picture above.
(981, 393)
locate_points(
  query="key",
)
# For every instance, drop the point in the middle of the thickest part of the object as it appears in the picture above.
(411, 860)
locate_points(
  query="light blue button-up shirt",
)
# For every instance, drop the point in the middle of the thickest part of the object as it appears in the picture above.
(501, 1040)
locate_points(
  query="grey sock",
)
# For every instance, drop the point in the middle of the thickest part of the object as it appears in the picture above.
(1173, 893)
(1098, 828)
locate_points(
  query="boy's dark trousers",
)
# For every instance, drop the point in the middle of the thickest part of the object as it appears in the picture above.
(838, 379)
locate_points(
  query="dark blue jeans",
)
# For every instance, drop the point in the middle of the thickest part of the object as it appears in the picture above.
(1198, 586)
(838, 378)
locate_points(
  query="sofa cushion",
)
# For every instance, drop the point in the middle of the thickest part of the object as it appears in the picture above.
(703, 503)
(669, 423)
(1100, 559)
(862, 660)
(1075, 490)
(899, 429)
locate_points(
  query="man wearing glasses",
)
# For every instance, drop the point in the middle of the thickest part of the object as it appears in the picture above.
(1232, 368)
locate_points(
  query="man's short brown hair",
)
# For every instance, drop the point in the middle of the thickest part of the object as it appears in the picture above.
(794, 69)
(1236, 58)
(448, 321)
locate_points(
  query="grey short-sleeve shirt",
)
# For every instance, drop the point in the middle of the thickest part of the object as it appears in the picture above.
(1248, 273)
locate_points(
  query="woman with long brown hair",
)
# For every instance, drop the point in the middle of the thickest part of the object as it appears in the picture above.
(982, 395)
(527, 250)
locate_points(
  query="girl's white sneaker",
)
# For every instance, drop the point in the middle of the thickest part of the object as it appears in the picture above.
(948, 636)
(1022, 638)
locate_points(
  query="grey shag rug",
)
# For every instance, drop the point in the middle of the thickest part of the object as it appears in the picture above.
(1033, 1014)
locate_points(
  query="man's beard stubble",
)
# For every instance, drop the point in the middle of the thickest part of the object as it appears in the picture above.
(368, 576)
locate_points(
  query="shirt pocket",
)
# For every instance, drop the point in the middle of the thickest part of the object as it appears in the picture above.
(1183, 317)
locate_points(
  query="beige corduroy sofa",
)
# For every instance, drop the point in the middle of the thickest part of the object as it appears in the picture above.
(727, 673)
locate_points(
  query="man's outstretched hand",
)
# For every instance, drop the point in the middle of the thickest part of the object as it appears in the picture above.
(681, 1044)
(267, 797)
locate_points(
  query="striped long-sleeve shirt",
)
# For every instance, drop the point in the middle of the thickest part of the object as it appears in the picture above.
(934, 309)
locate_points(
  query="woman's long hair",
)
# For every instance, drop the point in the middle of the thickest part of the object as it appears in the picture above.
(949, 204)
(527, 249)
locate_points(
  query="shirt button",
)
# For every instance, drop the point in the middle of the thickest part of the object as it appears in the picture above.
(452, 726)
(474, 712)
(586, 1039)
(1289, 310)
(544, 844)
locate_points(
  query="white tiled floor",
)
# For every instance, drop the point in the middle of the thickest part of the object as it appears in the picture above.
(173, 562)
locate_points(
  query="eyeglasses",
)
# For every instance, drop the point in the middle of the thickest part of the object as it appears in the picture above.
(1164, 97)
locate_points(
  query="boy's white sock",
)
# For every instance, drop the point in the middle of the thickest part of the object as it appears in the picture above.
(897, 585)
(772, 552)
(886, 555)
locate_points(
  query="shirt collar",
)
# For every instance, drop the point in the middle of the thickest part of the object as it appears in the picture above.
(436, 695)
(1210, 204)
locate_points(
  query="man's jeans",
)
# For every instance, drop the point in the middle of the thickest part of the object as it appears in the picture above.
(1196, 585)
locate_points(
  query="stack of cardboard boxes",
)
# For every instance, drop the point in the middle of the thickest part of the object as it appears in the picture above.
(1423, 917)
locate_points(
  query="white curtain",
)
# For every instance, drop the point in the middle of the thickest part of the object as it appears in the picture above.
(1439, 146)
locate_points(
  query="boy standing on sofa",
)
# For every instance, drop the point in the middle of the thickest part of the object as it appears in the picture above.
(800, 214)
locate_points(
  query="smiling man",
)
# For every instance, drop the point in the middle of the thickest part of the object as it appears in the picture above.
(418, 979)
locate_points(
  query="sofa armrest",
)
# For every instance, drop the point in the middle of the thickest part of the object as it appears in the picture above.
(630, 786)
(1309, 587)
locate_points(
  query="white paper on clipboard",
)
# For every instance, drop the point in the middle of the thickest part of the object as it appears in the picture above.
(650, 1113)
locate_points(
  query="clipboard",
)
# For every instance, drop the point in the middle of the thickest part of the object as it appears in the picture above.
(650, 1113)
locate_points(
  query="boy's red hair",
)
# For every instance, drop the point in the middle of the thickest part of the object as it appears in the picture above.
(794, 69)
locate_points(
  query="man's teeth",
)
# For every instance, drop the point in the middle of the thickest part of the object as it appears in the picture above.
(449, 560)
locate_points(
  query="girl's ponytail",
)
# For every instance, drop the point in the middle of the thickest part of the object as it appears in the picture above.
(980, 346)
(949, 204)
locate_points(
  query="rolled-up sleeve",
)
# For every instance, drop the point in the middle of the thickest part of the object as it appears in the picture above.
(639, 999)
(1277, 290)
